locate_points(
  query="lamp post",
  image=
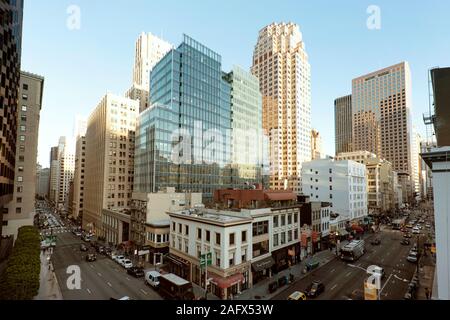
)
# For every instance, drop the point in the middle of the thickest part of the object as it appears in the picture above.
(337, 243)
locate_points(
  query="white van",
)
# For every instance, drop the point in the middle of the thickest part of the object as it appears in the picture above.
(379, 271)
(152, 278)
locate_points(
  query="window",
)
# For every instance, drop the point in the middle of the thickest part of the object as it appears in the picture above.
(283, 238)
(23, 128)
(199, 233)
(231, 239)
(20, 179)
(275, 221)
(244, 236)
(295, 217)
(19, 200)
(289, 218)
(243, 255)
(208, 236)
(25, 86)
(186, 230)
(218, 238)
(180, 228)
(275, 240)
(231, 261)
(24, 108)
(19, 189)
(173, 226)
(283, 220)
(19, 210)
(22, 138)
(20, 168)
(218, 257)
(25, 97)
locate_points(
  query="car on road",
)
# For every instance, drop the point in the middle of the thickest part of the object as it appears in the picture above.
(375, 242)
(297, 295)
(101, 249)
(412, 257)
(315, 289)
(405, 242)
(407, 235)
(409, 226)
(136, 272)
(428, 226)
(152, 278)
(83, 247)
(126, 263)
(91, 257)
(78, 233)
(415, 230)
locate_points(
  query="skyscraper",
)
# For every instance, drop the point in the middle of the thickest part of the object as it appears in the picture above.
(79, 171)
(280, 62)
(316, 145)
(20, 211)
(183, 138)
(381, 107)
(149, 50)
(66, 168)
(11, 48)
(343, 124)
(108, 179)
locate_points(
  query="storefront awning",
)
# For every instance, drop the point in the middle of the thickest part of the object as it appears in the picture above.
(224, 283)
(343, 232)
(263, 264)
(176, 260)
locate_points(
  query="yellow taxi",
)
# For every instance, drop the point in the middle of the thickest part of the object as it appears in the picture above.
(297, 295)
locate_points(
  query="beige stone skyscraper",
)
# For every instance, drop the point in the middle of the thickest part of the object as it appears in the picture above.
(110, 138)
(316, 145)
(381, 107)
(281, 64)
(149, 50)
(80, 167)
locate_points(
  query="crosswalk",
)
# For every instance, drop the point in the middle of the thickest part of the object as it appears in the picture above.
(54, 231)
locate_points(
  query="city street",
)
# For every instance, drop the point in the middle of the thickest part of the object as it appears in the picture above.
(341, 279)
(100, 280)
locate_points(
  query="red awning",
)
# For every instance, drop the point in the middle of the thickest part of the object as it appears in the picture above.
(224, 283)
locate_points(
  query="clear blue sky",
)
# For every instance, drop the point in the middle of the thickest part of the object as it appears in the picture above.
(80, 66)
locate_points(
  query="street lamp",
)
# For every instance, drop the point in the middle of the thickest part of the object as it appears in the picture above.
(337, 243)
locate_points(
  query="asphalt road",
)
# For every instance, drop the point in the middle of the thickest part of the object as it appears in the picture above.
(340, 279)
(100, 280)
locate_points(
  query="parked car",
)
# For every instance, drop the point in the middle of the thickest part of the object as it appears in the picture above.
(297, 295)
(412, 257)
(315, 289)
(409, 226)
(119, 259)
(91, 257)
(375, 242)
(126, 263)
(83, 247)
(407, 235)
(136, 272)
(100, 249)
(405, 242)
(152, 278)
(415, 230)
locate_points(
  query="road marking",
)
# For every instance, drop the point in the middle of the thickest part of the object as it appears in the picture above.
(143, 291)
(99, 274)
(382, 260)
(333, 287)
(109, 284)
(348, 274)
(89, 291)
(333, 270)
(128, 279)
(91, 266)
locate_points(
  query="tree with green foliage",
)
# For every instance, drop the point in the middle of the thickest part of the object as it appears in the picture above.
(20, 280)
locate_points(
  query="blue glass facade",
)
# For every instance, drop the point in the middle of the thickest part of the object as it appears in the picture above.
(188, 93)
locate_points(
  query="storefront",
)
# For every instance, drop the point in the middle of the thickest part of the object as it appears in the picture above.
(286, 257)
(178, 266)
(226, 288)
(262, 269)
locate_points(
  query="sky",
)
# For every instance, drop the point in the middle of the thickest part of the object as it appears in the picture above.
(81, 65)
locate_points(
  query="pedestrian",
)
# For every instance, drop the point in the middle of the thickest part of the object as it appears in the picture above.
(427, 293)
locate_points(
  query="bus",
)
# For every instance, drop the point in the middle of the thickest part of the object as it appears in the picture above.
(398, 224)
(353, 250)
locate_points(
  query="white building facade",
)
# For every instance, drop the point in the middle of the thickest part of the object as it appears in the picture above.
(342, 183)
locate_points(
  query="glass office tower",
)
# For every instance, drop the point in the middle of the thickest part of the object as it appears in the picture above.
(183, 139)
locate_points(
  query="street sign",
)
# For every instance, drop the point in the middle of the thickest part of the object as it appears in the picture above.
(205, 259)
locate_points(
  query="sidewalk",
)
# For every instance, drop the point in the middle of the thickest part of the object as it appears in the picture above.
(260, 290)
(48, 287)
(426, 277)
